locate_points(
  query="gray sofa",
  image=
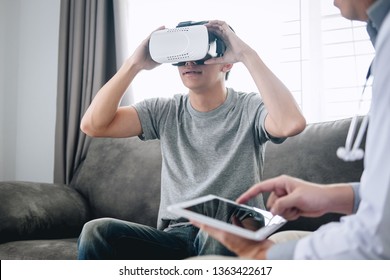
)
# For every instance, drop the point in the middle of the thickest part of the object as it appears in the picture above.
(121, 177)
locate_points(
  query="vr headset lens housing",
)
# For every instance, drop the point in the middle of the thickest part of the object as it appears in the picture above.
(187, 42)
(196, 62)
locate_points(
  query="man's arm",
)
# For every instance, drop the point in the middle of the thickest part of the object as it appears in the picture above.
(284, 116)
(104, 118)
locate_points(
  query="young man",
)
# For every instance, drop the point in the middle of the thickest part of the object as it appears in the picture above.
(212, 141)
(364, 232)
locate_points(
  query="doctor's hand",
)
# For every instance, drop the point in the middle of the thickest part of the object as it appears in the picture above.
(291, 197)
(245, 248)
(236, 49)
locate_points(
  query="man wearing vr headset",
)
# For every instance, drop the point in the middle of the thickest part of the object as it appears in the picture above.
(364, 232)
(212, 141)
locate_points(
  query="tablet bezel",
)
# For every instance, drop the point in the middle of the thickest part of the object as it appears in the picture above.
(261, 234)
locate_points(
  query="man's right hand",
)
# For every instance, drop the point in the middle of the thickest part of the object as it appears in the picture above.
(141, 56)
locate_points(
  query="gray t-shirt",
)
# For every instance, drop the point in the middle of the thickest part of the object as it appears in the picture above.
(218, 152)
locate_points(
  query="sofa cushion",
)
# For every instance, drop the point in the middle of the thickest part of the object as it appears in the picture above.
(55, 249)
(120, 178)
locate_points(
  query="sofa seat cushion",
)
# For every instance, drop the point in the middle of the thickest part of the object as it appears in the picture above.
(58, 249)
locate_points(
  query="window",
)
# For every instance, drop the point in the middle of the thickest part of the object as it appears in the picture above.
(320, 56)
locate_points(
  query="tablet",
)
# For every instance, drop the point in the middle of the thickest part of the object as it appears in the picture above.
(246, 221)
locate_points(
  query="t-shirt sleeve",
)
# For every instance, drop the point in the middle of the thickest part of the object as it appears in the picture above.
(257, 112)
(152, 115)
(276, 140)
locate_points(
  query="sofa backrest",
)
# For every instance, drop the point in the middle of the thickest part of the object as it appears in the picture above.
(120, 178)
(311, 155)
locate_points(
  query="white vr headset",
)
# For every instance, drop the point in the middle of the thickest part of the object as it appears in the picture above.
(189, 41)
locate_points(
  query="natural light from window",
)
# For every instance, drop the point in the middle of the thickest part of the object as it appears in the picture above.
(321, 57)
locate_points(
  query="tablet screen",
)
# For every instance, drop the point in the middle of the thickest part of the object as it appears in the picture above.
(244, 217)
(246, 221)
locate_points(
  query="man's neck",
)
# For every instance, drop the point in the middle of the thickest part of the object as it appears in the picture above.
(205, 101)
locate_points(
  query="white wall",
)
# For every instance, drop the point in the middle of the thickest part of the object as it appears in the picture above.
(9, 45)
(2, 74)
(29, 84)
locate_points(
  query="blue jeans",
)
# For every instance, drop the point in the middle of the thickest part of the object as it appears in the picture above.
(108, 238)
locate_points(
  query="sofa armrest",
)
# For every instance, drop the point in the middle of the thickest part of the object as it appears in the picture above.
(40, 211)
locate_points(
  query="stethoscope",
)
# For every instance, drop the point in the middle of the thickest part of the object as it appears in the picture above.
(352, 150)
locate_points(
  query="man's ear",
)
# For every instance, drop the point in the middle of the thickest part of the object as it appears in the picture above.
(227, 67)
